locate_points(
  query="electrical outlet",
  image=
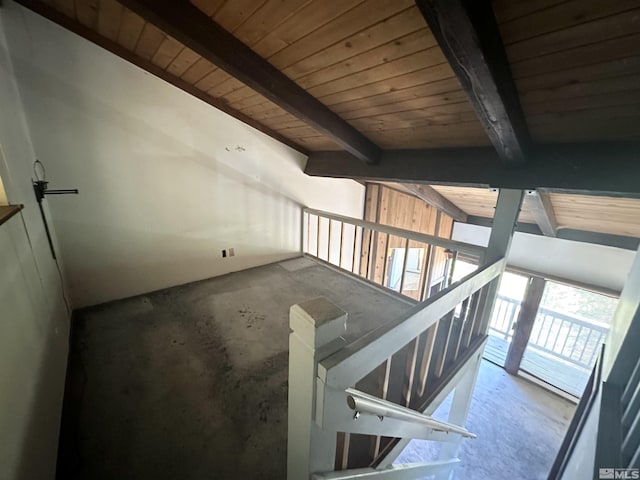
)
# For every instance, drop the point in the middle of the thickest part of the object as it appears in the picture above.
(231, 252)
(224, 254)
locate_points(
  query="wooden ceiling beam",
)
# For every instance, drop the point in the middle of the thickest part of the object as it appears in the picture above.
(583, 236)
(539, 204)
(431, 196)
(609, 168)
(92, 36)
(190, 26)
(468, 35)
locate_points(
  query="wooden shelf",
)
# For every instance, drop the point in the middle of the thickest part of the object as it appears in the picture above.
(8, 211)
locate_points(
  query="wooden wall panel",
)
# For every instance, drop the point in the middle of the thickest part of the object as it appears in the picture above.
(391, 207)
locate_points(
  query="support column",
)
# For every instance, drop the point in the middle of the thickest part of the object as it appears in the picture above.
(317, 328)
(459, 410)
(504, 224)
(524, 324)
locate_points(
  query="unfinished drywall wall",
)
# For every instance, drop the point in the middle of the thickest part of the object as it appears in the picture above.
(34, 324)
(166, 181)
(587, 263)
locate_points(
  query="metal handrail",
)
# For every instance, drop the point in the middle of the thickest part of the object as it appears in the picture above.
(361, 402)
(467, 248)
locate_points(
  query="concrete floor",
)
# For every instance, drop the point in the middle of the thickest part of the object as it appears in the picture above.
(519, 425)
(191, 382)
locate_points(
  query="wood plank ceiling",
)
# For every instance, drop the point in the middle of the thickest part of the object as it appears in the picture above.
(377, 65)
(576, 65)
(608, 215)
(373, 62)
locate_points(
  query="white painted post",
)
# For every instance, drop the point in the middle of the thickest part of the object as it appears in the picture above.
(459, 411)
(317, 328)
(504, 224)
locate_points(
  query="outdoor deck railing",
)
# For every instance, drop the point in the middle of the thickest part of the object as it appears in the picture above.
(568, 338)
(505, 314)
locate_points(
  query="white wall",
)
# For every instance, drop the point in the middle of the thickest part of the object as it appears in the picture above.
(34, 325)
(160, 194)
(597, 265)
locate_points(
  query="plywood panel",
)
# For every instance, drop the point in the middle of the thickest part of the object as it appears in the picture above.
(619, 216)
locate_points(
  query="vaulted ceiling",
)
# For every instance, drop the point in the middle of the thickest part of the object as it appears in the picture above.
(379, 67)
(511, 93)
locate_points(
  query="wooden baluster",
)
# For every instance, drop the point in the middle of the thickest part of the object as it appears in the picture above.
(308, 232)
(410, 371)
(329, 242)
(404, 264)
(425, 274)
(318, 238)
(425, 362)
(471, 319)
(383, 389)
(341, 244)
(442, 358)
(355, 244)
(463, 323)
(342, 450)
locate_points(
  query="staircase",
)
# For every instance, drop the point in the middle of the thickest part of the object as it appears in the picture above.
(353, 408)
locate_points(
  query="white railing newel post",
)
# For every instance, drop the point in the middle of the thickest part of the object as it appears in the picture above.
(317, 327)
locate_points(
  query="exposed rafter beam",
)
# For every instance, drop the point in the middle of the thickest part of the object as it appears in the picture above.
(597, 168)
(468, 34)
(597, 238)
(55, 16)
(190, 26)
(539, 204)
(431, 196)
